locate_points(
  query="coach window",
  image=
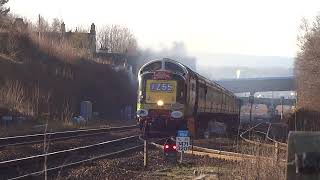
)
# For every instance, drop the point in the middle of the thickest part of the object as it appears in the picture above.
(152, 67)
(173, 67)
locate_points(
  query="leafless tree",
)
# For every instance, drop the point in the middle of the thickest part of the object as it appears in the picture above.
(117, 39)
(43, 24)
(56, 25)
(307, 65)
(3, 11)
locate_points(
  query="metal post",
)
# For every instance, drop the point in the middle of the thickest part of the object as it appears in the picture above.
(276, 151)
(273, 109)
(192, 145)
(251, 99)
(239, 119)
(145, 154)
(250, 119)
(267, 135)
(282, 99)
(296, 108)
(181, 156)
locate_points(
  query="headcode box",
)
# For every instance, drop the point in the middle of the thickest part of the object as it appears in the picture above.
(303, 160)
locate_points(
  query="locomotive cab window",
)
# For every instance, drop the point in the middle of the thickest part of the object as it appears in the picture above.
(173, 67)
(152, 67)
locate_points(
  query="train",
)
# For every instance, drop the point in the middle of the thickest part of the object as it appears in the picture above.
(173, 97)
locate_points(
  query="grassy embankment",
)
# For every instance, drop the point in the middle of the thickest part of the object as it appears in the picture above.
(45, 80)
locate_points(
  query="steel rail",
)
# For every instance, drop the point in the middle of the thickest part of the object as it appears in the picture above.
(57, 136)
(41, 156)
(280, 143)
(86, 160)
(56, 168)
(218, 154)
(282, 146)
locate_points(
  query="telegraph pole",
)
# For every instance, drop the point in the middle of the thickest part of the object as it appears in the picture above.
(251, 99)
(282, 99)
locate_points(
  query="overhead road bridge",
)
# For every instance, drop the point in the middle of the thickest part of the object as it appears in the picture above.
(254, 85)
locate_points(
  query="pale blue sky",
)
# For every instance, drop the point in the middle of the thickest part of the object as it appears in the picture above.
(253, 27)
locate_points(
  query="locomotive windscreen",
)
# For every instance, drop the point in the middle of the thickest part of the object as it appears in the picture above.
(164, 90)
(161, 87)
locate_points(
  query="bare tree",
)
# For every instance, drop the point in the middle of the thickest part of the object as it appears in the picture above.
(307, 65)
(3, 11)
(117, 39)
(43, 24)
(56, 25)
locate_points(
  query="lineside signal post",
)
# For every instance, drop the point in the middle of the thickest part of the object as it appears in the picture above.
(145, 153)
(145, 147)
(182, 142)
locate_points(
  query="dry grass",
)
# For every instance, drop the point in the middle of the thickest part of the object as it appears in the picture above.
(61, 49)
(44, 78)
(13, 96)
(267, 164)
(26, 102)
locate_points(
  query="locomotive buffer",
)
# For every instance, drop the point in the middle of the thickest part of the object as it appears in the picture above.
(182, 142)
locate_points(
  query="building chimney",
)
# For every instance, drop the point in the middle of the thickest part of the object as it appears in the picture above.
(63, 28)
(93, 29)
(93, 40)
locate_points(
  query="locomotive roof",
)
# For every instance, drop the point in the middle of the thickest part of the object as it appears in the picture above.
(191, 72)
(166, 60)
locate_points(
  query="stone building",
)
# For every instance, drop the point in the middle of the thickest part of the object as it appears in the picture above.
(81, 40)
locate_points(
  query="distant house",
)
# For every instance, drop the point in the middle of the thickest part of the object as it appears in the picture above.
(81, 40)
(86, 41)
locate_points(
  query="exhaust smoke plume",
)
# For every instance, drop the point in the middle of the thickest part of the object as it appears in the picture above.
(176, 52)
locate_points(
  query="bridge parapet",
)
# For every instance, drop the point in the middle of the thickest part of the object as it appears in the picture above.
(253, 85)
(269, 101)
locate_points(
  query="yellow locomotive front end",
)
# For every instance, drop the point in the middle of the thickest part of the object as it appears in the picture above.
(161, 98)
(161, 91)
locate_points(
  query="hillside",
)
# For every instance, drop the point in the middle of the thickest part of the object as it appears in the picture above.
(50, 84)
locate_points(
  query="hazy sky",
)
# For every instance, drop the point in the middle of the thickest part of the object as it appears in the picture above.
(253, 27)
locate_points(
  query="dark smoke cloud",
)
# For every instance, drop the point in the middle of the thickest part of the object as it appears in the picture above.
(176, 52)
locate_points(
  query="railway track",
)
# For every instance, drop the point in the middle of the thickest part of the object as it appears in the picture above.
(57, 136)
(224, 155)
(236, 156)
(218, 154)
(275, 144)
(86, 154)
(32, 167)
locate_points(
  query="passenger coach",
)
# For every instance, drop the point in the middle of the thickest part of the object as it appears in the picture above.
(171, 96)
